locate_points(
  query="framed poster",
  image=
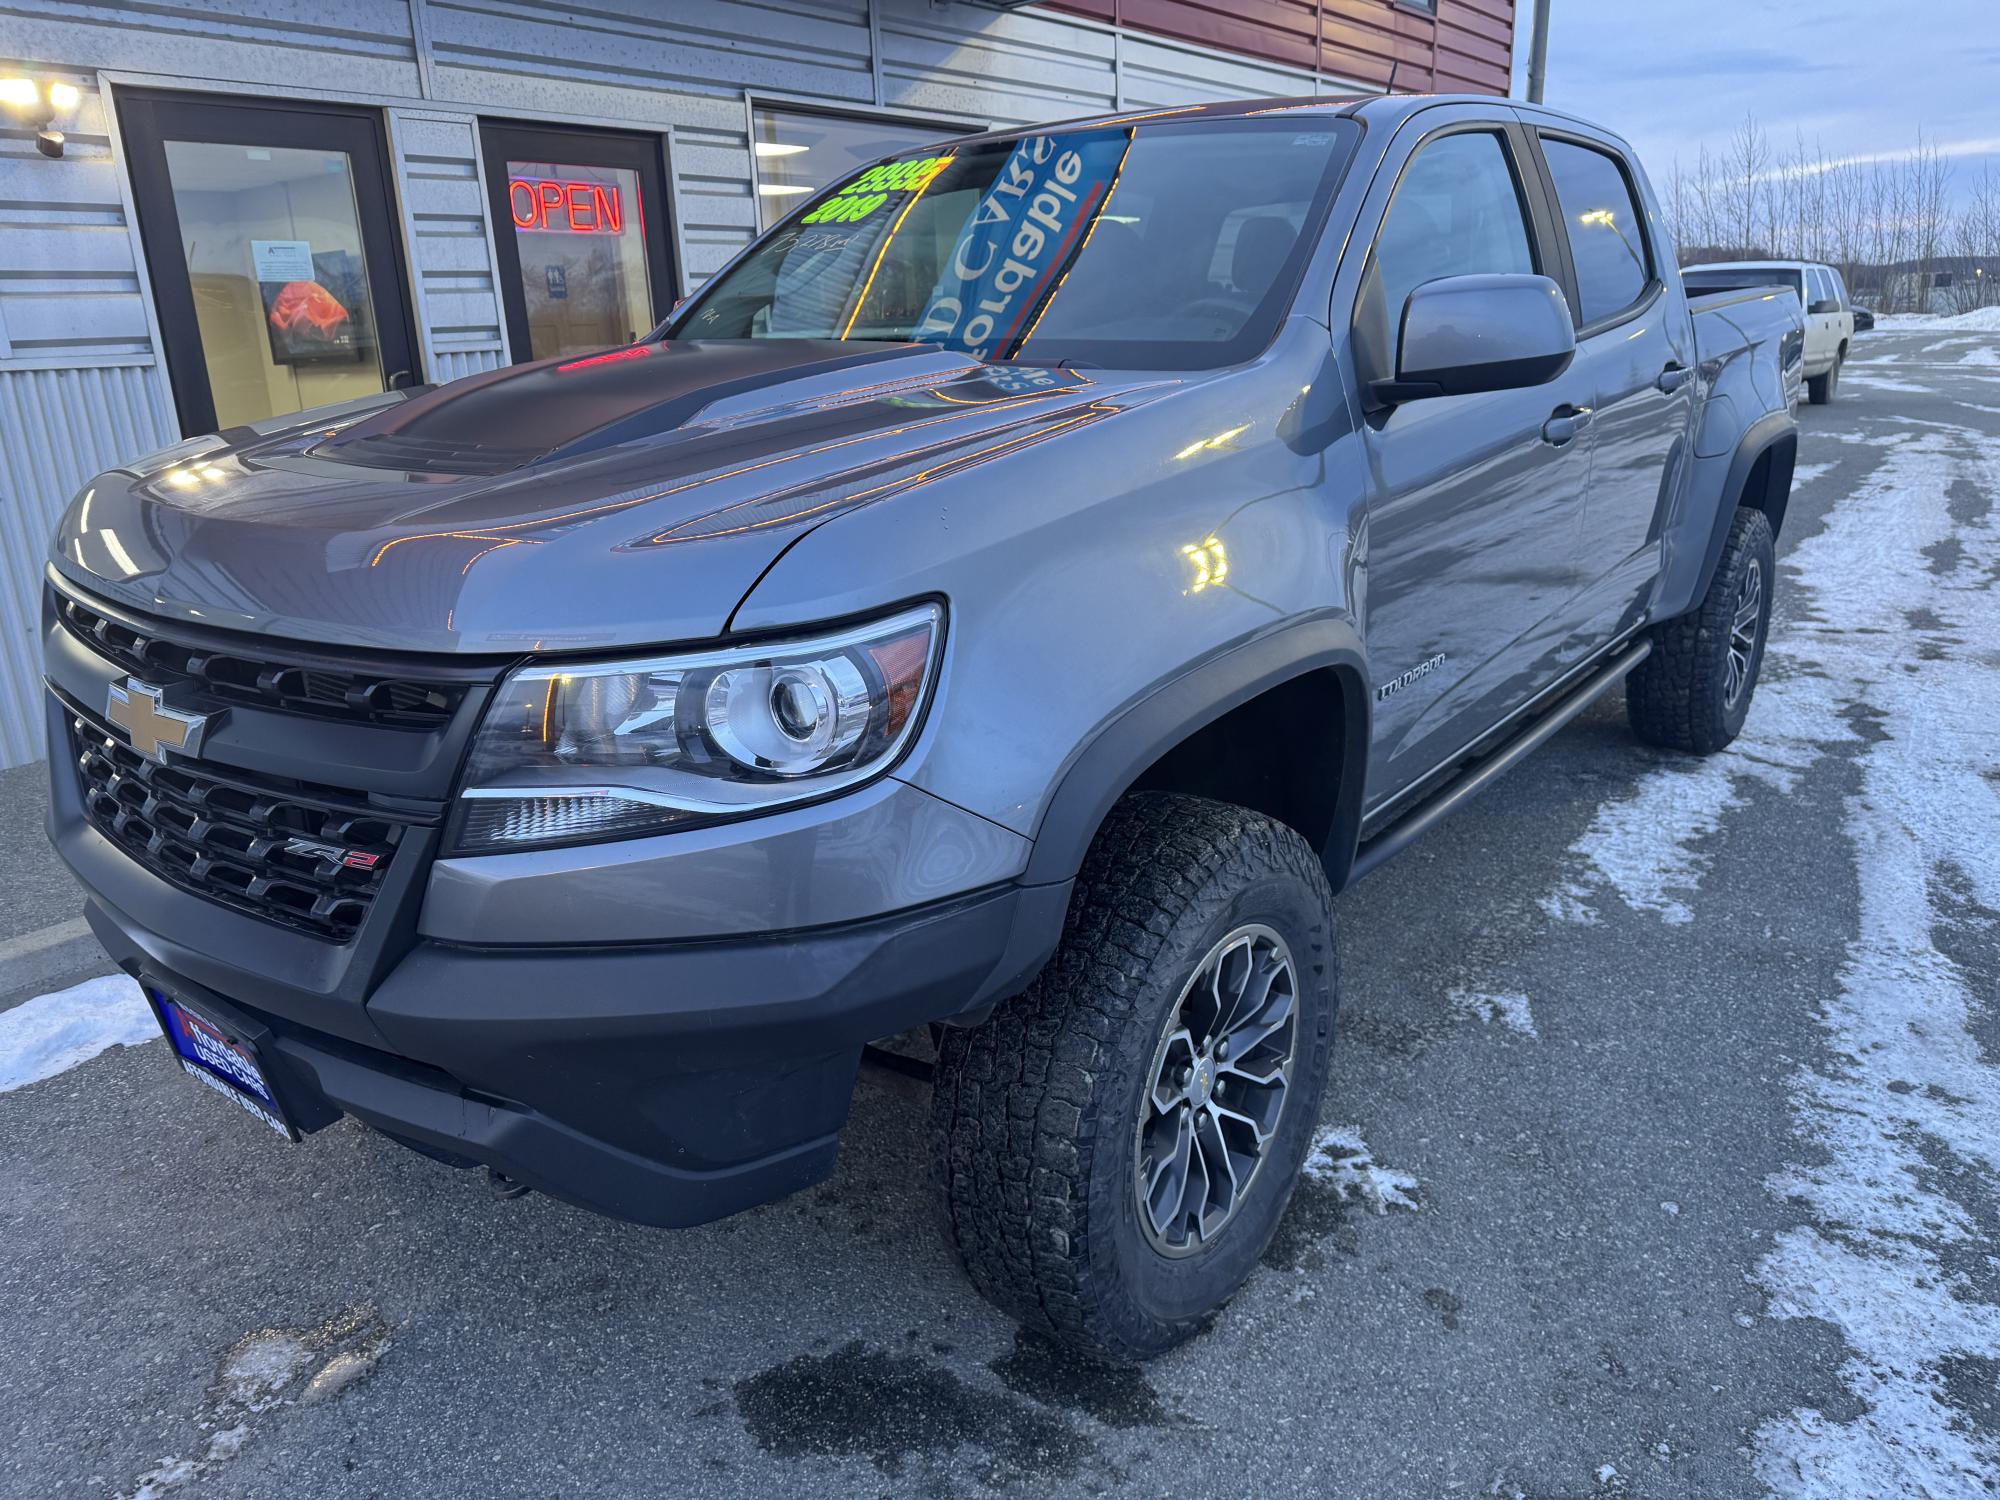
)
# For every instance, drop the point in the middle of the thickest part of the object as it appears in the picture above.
(309, 301)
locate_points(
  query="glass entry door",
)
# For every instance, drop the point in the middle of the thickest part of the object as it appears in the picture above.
(273, 254)
(580, 230)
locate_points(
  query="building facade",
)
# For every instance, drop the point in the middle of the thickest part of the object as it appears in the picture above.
(216, 211)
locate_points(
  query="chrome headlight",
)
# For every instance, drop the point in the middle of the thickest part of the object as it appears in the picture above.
(607, 750)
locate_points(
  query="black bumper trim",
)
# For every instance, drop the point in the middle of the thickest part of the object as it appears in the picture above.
(667, 1085)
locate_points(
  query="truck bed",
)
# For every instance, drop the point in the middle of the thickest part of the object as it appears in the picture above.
(1728, 325)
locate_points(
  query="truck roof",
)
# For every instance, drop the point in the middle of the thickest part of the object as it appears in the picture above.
(1374, 109)
(1756, 265)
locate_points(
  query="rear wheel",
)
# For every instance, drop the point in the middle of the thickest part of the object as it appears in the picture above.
(1820, 389)
(1693, 693)
(1116, 1146)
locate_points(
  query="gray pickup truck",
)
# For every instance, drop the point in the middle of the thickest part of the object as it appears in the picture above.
(1012, 598)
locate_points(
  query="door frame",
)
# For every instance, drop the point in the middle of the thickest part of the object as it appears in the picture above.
(148, 117)
(644, 152)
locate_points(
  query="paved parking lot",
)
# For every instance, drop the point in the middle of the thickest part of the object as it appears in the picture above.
(1660, 1160)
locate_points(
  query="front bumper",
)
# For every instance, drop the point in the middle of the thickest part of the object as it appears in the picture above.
(666, 1082)
(667, 1085)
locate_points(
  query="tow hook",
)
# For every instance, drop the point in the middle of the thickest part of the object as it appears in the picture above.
(503, 1186)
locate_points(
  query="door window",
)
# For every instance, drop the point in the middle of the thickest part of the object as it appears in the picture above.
(580, 234)
(273, 255)
(581, 243)
(1457, 212)
(1607, 237)
(272, 240)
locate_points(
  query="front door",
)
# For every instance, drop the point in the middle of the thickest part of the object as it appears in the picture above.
(1474, 500)
(271, 240)
(581, 232)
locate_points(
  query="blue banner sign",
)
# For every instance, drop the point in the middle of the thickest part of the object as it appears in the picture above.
(1024, 231)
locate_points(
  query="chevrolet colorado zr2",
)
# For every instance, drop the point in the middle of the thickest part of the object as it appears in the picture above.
(1012, 597)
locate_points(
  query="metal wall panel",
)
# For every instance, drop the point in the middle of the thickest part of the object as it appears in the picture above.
(57, 429)
(1010, 68)
(354, 47)
(450, 242)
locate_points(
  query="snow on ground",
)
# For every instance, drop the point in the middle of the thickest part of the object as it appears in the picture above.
(1510, 1011)
(1984, 320)
(1340, 1158)
(1903, 1101)
(51, 1034)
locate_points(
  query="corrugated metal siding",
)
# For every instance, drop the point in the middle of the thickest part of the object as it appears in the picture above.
(69, 275)
(1007, 68)
(450, 246)
(80, 386)
(57, 429)
(1466, 47)
(355, 47)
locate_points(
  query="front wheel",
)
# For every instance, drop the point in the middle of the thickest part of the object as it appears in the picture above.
(1693, 692)
(1821, 389)
(1116, 1145)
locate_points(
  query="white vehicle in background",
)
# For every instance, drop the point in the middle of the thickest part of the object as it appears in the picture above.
(1829, 310)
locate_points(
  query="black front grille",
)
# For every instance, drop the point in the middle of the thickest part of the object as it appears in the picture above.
(237, 839)
(392, 702)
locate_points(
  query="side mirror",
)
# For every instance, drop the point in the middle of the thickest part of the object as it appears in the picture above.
(1824, 305)
(1466, 334)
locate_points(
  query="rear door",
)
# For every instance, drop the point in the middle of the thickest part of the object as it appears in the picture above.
(1827, 331)
(1635, 346)
(1474, 500)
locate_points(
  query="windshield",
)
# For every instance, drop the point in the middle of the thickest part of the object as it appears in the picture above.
(1139, 247)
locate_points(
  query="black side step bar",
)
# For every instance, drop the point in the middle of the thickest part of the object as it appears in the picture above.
(1478, 775)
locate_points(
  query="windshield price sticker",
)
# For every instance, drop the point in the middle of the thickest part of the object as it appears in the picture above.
(872, 189)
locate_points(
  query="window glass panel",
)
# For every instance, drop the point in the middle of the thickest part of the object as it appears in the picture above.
(797, 154)
(273, 245)
(581, 235)
(1607, 239)
(1457, 212)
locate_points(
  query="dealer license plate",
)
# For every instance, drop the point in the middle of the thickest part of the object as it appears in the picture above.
(211, 1051)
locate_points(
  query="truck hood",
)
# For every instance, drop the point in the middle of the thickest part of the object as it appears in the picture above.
(625, 498)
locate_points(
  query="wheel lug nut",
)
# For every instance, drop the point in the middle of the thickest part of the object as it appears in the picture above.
(1222, 1050)
(1186, 1076)
(1221, 1086)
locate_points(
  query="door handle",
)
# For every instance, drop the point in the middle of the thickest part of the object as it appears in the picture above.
(1564, 425)
(1673, 377)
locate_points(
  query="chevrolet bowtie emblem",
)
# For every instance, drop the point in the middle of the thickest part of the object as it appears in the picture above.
(152, 727)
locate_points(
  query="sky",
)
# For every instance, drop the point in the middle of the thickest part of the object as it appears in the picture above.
(1859, 76)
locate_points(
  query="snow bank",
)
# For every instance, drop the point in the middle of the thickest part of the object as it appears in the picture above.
(51, 1034)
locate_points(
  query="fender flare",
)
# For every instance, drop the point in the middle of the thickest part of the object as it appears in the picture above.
(1773, 430)
(1099, 773)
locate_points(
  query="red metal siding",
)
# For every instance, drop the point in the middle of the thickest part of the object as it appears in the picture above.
(1467, 47)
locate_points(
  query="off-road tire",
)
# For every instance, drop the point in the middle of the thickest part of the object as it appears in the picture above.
(1678, 697)
(1036, 1112)
(1821, 389)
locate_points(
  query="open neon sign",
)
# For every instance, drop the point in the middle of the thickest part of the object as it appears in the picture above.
(549, 203)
